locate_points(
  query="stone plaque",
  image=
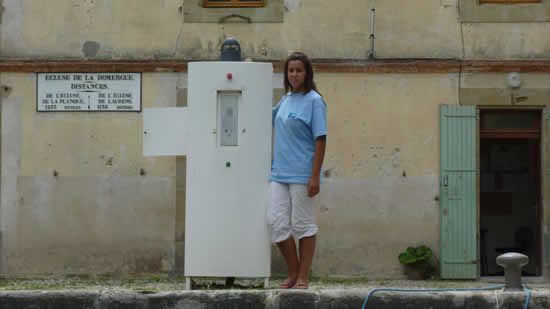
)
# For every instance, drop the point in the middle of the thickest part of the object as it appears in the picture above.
(70, 92)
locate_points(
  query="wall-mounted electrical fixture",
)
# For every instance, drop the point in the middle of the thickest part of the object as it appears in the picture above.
(514, 80)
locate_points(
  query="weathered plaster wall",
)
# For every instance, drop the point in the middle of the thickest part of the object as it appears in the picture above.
(316, 28)
(380, 193)
(492, 89)
(77, 195)
(101, 29)
(99, 214)
(475, 11)
(494, 41)
(381, 187)
(90, 29)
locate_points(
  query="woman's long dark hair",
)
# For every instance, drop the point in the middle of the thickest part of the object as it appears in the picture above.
(309, 84)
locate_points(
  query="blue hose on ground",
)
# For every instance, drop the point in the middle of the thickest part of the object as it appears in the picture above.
(528, 296)
(443, 290)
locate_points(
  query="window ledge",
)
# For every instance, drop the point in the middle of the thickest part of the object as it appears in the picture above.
(194, 12)
(472, 11)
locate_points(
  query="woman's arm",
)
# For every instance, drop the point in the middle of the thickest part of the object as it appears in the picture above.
(313, 186)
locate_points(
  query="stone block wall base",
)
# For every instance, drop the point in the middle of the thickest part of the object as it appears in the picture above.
(272, 299)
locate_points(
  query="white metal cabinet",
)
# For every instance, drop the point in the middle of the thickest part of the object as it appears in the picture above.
(227, 139)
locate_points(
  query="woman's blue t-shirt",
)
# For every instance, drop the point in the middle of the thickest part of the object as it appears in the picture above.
(298, 120)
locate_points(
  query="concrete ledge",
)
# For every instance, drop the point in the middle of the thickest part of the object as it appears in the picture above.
(269, 299)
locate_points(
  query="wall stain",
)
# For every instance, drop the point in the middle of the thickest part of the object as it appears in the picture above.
(90, 49)
(5, 91)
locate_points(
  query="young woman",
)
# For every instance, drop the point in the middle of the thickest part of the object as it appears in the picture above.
(299, 122)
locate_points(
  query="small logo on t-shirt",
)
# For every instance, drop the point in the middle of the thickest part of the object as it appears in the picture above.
(291, 115)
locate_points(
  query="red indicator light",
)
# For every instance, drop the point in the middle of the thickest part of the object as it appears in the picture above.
(229, 76)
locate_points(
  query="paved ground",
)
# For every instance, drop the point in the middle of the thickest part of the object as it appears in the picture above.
(176, 283)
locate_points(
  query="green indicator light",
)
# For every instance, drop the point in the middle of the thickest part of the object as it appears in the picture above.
(227, 164)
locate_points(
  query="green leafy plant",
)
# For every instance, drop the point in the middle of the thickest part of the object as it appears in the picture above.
(419, 259)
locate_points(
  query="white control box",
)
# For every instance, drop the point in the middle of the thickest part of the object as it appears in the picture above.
(226, 134)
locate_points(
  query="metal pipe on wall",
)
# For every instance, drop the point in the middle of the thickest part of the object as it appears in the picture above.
(371, 52)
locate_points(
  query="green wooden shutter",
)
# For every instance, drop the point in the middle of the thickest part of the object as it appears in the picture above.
(458, 192)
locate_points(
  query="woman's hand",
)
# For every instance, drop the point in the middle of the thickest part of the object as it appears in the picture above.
(314, 180)
(313, 186)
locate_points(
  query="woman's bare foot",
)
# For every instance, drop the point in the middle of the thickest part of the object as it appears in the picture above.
(301, 285)
(287, 284)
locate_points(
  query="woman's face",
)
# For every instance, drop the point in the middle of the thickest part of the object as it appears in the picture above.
(296, 75)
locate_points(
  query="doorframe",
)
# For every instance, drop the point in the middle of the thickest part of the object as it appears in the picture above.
(542, 180)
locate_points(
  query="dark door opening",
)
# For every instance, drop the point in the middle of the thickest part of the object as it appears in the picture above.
(510, 188)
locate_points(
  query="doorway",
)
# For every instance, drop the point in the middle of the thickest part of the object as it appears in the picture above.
(510, 188)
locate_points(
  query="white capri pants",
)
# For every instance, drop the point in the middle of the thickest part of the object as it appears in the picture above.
(291, 212)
